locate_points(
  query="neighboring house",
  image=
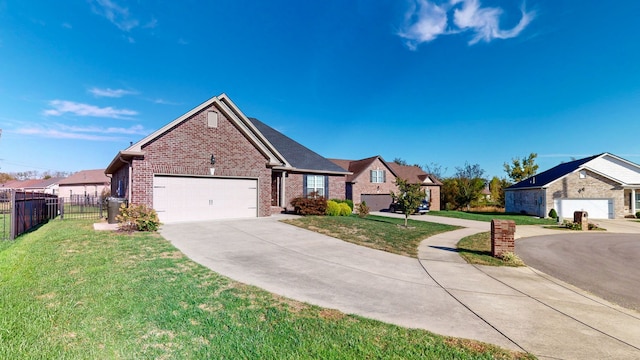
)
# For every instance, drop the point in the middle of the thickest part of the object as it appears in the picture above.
(49, 186)
(604, 185)
(85, 183)
(429, 183)
(214, 162)
(373, 180)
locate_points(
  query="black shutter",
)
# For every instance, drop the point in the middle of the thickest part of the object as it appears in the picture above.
(304, 185)
(326, 187)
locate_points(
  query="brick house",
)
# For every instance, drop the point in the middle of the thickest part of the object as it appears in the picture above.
(85, 183)
(604, 185)
(373, 179)
(214, 162)
(429, 183)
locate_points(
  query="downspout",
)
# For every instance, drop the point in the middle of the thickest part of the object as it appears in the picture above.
(129, 179)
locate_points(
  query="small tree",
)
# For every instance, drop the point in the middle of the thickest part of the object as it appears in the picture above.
(409, 197)
(521, 169)
(470, 184)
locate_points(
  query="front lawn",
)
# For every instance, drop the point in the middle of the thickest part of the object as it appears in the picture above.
(377, 232)
(488, 216)
(476, 249)
(68, 292)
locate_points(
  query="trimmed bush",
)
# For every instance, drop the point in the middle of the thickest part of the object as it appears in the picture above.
(333, 208)
(309, 205)
(345, 209)
(553, 214)
(638, 214)
(347, 201)
(137, 218)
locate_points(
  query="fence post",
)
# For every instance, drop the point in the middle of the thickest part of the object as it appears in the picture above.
(14, 216)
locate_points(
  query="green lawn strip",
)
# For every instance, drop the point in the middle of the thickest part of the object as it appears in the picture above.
(476, 249)
(488, 216)
(69, 292)
(377, 232)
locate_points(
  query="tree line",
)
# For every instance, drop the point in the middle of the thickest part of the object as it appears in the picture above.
(465, 188)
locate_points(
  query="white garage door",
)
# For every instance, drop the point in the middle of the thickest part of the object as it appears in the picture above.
(595, 208)
(177, 198)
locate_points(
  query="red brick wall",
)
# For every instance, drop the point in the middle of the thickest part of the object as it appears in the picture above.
(186, 150)
(434, 203)
(363, 184)
(294, 185)
(502, 237)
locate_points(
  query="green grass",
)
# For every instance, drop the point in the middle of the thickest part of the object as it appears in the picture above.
(378, 232)
(476, 249)
(488, 216)
(68, 292)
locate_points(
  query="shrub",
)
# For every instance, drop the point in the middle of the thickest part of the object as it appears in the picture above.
(638, 214)
(363, 210)
(512, 259)
(333, 208)
(571, 225)
(347, 201)
(309, 205)
(553, 214)
(345, 209)
(137, 217)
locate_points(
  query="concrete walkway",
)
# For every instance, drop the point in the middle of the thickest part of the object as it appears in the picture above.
(517, 308)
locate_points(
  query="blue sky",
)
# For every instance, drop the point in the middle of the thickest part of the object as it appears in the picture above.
(443, 82)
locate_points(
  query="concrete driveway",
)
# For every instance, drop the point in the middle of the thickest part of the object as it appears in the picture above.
(516, 308)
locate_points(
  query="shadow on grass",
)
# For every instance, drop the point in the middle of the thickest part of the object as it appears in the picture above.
(474, 252)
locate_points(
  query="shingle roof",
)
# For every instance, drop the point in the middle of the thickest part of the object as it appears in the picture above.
(555, 173)
(413, 174)
(296, 154)
(86, 177)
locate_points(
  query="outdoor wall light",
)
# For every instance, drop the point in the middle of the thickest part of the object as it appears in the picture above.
(213, 160)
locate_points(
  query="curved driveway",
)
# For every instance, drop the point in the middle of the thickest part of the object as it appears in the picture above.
(517, 308)
(607, 265)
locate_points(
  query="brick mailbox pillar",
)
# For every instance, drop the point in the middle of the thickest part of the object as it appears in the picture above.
(582, 218)
(502, 237)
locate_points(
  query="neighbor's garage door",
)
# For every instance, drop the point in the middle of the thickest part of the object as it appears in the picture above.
(595, 208)
(377, 202)
(177, 198)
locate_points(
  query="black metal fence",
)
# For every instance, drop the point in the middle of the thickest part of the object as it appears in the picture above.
(83, 207)
(31, 209)
(22, 211)
(5, 214)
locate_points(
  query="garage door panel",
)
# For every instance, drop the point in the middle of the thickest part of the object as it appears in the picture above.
(377, 202)
(204, 198)
(595, 208)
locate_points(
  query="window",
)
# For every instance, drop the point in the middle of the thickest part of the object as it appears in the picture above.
(637, 201)
(315, 183)
(377, 176)
(583, 174)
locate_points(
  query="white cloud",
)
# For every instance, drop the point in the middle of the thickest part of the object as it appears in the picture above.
(112, 93)
(485, 22)
(61, 107)
(116, 14)
(92, 133)
(425, 21)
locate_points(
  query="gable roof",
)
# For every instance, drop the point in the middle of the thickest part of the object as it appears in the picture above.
(545, 178)
(300, 155)
(357, 167)
(414, 174)
(96, 176)
(296, 154)
(45, 183)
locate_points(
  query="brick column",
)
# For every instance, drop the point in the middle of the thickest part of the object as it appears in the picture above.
(502, 237)
(582, 218)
